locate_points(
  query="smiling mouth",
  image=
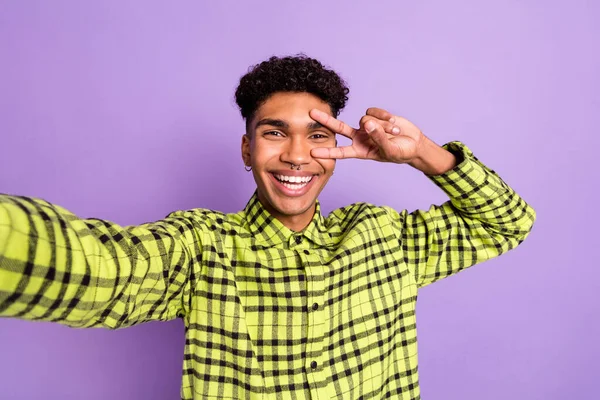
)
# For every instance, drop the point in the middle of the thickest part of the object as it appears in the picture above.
(293, 182)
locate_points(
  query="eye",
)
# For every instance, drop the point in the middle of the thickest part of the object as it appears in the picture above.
(319, 136)
(273, 133)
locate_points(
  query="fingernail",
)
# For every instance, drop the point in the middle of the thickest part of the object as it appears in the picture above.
(370, 126)
(396, 130)
(392, 120)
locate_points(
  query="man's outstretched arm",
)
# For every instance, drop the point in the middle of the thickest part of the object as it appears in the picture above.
(57, 267)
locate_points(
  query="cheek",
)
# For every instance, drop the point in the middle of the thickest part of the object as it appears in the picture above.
(327, 165)
(263, 153)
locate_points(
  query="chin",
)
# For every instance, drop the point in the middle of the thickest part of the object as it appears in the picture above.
(292, 206)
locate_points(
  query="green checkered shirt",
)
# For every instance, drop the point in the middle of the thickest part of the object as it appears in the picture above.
(326, 313)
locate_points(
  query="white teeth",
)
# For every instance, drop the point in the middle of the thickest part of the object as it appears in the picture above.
(294, 186)
(294, 179)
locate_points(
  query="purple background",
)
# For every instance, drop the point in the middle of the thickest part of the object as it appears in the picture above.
(124, 110)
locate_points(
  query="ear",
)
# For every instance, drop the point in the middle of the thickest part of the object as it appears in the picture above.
(246, 150)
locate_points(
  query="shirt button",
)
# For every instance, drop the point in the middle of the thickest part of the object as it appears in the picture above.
(298, 239)
(313, 365)
(306, 252)
(315, 306)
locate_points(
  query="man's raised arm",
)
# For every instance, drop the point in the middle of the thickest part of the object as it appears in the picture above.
(483, 218)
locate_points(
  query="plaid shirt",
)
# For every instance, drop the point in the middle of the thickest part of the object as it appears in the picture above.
(326, 313)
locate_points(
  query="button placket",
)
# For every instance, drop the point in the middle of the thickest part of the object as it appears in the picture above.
(315, 274)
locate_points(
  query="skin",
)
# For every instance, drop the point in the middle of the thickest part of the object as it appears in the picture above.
(299, 128)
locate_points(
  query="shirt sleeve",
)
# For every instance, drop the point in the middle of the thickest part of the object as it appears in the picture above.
(483, 219)
(78, 272)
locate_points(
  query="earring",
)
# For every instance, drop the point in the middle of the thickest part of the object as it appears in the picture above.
(247, 168)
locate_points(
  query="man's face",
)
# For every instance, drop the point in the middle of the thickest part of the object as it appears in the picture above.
(281, 134)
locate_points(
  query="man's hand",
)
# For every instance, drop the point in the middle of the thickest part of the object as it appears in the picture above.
(385, 137)
(381, 136)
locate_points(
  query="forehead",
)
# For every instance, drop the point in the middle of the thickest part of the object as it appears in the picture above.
(291, 107)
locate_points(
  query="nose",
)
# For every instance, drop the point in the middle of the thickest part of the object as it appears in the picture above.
(297, 151)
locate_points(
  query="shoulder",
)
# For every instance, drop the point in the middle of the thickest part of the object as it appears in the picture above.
(360, 213)
(210, 220)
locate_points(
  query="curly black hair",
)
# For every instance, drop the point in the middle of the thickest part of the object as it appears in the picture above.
(289, 74)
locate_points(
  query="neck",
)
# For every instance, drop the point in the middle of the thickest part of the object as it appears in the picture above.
(296, 222)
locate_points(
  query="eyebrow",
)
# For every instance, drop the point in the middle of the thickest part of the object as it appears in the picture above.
(279, 123)
(315, 125)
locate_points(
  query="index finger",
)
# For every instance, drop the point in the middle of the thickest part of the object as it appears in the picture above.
(331, 123)
(334, 152)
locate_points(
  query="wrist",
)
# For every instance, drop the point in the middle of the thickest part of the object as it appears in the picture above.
(433, 159)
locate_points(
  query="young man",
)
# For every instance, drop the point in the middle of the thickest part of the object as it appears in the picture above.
(279, 302)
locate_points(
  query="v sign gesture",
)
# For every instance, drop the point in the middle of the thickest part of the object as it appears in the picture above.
(388, 138)
(381, 137)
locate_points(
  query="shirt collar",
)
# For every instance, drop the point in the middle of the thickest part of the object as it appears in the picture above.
(269, 231)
